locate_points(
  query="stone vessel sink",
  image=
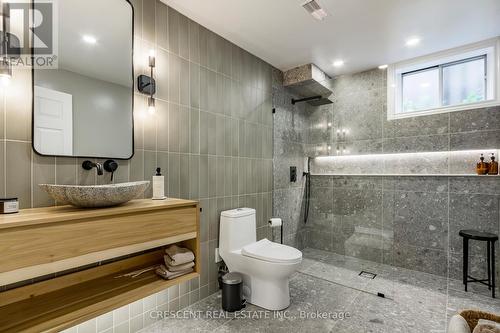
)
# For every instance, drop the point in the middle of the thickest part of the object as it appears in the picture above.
(95, 196)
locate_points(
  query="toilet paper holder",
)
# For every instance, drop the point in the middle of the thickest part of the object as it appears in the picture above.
(276, 222)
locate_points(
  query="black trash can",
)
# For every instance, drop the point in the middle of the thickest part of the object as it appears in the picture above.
(232, 292)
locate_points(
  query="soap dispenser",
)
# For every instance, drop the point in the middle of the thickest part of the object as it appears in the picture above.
(493, 166)
(158, 186)
(482, 166)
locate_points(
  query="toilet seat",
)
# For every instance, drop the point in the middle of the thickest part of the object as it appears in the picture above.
(272, 252)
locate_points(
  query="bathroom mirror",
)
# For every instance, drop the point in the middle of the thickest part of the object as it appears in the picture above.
(84, 107)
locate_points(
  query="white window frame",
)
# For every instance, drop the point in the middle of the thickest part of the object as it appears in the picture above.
(490, 48)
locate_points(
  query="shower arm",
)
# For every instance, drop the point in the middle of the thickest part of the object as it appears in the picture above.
(306, 99)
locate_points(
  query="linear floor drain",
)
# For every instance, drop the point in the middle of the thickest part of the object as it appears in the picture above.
(367, 275)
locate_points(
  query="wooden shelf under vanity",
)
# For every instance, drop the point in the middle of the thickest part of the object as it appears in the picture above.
(43, 241)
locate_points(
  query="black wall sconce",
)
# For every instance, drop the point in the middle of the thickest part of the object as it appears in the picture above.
(147, 84)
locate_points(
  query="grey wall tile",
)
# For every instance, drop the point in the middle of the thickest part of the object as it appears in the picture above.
(18, 169)
(203, 46)
(416, 144)
(173, 127)
(137, 166)
(174, 174)
(194, 85)
(184, 179)
(66, 171)
(184, 129)
(18, 106)
(421, 219)
(162, 78)
(150, 165)
(417, 126)
(174, 67)
(212, 51)
(194, 172)
(162, 120)
(173, 31)
(475, 140)
(220, 176)
(194, 129)
(203, 177)
(472, 211)
(184, 84)
(475, 120)
(149, 20)
(162, 162)
(204, 132)
(204, 88)
(44, 172)
(212, 135)
(183, 36)
(220, 128)
(212, 91)
(161, 24)
(149, 125)
(194, 42)
(212, 176)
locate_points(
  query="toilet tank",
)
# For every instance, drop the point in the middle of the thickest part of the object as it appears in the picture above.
(237, 229)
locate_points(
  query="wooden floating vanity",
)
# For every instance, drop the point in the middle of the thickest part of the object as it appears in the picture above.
(43, 241)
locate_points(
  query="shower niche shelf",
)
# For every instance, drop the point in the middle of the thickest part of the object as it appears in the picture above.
(123, 239)
(400, 175)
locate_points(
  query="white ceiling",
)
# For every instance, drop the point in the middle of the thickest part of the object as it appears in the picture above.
(110, 22)
(363, 33)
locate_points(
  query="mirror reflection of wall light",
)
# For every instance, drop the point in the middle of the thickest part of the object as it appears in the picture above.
(89, 39)
(147, 84)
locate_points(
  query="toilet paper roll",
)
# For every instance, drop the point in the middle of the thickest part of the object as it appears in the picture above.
(275, 222)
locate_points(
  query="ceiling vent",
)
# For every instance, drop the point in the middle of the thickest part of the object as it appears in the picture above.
(315, 9)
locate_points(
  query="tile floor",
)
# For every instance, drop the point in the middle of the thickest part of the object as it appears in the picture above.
(329, 283)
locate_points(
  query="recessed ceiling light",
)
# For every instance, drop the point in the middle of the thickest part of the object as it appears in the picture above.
(89, 39)
(315, 9)
(383, 66)
(413, 41)
(338, 63)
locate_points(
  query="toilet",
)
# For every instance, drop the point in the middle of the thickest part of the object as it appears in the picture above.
(265, 266)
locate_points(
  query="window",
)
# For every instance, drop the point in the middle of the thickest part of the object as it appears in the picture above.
(454, 80)
(421, 90)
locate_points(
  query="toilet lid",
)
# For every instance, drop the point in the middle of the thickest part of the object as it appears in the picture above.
(272, 252)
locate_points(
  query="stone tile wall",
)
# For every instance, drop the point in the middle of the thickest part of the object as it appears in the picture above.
(290, 136)
(411, 222)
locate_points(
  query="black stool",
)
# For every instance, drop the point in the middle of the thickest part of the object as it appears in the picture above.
(484, 237)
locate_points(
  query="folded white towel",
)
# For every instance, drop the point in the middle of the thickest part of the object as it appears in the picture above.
(176, 268)
(166, 274)
(179, 255)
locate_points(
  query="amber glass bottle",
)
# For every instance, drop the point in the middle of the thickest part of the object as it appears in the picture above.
(482, 166)
(493, 166)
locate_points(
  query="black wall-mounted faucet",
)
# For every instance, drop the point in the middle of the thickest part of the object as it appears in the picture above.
(88, 165)
(111, 166)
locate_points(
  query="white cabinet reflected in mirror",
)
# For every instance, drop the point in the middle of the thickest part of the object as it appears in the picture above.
(84, 108)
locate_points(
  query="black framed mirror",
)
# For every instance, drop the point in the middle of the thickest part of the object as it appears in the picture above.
(84, 106)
